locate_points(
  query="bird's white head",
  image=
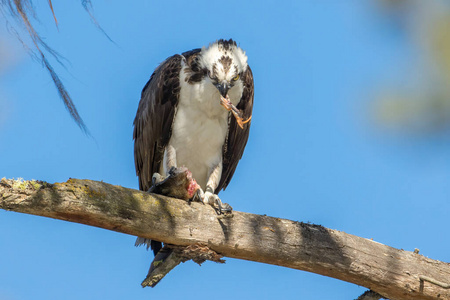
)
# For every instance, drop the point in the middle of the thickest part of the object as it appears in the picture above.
(224, 62)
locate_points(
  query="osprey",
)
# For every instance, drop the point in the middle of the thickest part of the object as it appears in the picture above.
(194, 112)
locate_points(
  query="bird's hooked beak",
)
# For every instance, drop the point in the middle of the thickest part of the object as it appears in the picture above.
(225, 101)
(223, 88)
(224, 98)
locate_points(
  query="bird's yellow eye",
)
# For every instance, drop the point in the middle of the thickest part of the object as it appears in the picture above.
(236, 77)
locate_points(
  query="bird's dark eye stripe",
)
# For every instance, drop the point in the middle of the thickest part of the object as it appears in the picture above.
(211, 76)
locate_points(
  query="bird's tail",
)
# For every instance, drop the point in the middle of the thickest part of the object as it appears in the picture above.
(154, 245)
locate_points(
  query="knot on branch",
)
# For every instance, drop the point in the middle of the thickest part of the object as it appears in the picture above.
(198, 252)
(171, 256)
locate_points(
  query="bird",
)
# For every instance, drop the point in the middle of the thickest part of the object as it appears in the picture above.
(195, 112)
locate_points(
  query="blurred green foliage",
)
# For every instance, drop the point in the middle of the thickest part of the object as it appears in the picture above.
(424, 105)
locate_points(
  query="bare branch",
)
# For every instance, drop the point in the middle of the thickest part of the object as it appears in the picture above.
(392, 273)
(87, 4)
(21, 9)
(53, 12)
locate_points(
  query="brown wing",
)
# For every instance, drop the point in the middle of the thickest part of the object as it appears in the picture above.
(237, 137)
(154, 117)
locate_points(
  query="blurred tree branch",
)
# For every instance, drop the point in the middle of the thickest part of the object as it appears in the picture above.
(23, 12)
(393, 273)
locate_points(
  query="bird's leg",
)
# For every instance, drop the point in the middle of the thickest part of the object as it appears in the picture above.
(213, 181)
(208, 196)
(170, 159)
(169, 165)
(226, 102)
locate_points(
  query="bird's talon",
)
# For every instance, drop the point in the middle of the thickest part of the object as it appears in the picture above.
(198, 196)
(156, 179)
(246, 121)
(209, 198)
(240, 121)
(223, 207)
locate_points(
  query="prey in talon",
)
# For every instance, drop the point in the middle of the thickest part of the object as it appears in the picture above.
(225, 102)
(177, 184)
(183, 119)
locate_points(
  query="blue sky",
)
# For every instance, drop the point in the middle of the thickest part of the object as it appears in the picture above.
(313, 155)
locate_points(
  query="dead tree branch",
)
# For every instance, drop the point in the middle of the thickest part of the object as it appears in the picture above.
(393, 273)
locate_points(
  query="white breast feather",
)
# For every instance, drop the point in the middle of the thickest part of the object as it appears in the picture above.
(200, 126)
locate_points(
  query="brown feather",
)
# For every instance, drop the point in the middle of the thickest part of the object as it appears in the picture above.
(156, 111)
(237, 137)
(152, 125)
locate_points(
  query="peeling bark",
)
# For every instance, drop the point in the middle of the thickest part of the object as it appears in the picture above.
(393, 273)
